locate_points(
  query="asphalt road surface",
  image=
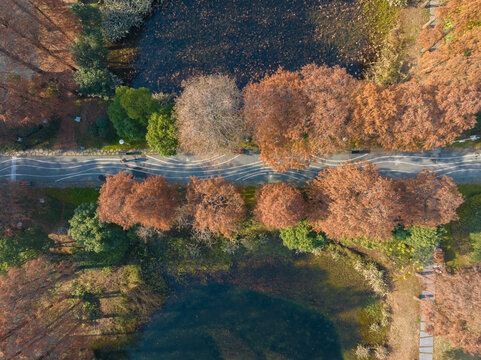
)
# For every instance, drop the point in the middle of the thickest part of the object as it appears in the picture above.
(243, 169)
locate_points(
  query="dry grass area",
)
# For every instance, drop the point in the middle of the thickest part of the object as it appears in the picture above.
(122, 302)
(404, 334)
(412, 18)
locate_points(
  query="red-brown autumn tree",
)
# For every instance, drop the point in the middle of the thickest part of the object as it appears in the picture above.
(329, 92)
(153, 203)
(457, 59)
(412, 116)
(429, 199)
(454, 314)
(277, 113)
(354, 200)
(39, 319)
(279, 205)
(216, 205)
(113, 195)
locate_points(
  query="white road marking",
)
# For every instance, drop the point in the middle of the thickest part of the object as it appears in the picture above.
(13, 170)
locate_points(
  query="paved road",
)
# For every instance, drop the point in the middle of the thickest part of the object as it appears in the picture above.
(246, 169)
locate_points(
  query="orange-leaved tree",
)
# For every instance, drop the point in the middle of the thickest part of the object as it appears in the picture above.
(429, 199)
(354, 200)
(454, 314)
(216, 205)
(113, 195)
(329, 92)
(277, 112)
(153, 203)
(279, 205)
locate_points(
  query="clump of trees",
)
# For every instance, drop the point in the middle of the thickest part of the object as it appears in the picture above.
(216, 206)
(90, 54)
(354, 200)
(350, 201)
(454, 314)
(279, 205)
(208, 115)
(125, 202)
(39, 319)
(153, 203)
(296, 116)
(130, 112)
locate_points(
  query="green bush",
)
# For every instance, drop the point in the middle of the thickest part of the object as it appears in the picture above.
(107, 243)
(301, 237)
(130, 112)
(96, 82)
(26, 245)
(475, 236)
(88, 50)
(423, 240)
(161, 133)
(93, 130)
(102, 122)
(89, 16)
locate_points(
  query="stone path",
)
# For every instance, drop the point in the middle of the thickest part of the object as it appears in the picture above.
(426, 341)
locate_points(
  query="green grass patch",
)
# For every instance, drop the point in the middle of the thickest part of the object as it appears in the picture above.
(128, 145)
(69, 198)
(248, 194)
(456, 242)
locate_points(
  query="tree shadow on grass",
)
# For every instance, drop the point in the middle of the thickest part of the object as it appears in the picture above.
(259, 326)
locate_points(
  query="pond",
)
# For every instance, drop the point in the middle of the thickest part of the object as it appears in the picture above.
(221, 321)
(244, 38)
(262, 308)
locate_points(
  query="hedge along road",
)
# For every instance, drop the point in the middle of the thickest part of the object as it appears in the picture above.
(62, 171)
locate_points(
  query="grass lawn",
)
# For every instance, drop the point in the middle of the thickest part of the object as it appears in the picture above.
(456, 242)
(60, 205)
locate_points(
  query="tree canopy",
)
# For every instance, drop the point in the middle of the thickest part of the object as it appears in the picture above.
(354, 200)
(454, 314)
(208, 115)
(216, 205)
(130, 112)
(279, 205)
(301, 237)
(108, 241)
(162, 133)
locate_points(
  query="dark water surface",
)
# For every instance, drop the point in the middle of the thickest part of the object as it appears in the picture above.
(220, 321)
(242, 38)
